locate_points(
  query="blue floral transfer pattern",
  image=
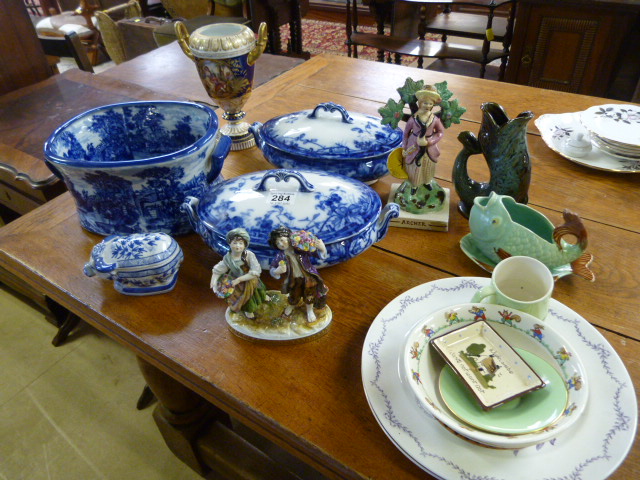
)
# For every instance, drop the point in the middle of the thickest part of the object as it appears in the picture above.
(130, 166)
(342, 212)
(139, 264)
(354, 145)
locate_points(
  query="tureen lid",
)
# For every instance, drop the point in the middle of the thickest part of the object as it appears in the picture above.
(137, 251)
(222, 40)
(332, 207)
(329, 131)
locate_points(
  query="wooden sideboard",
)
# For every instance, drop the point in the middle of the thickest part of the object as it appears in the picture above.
(590, 47)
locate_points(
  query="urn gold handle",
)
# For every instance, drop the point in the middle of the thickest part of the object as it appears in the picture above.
(183, 39)
(261, 44)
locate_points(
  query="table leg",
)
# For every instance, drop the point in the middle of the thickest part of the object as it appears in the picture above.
(65, 328)
(145, 399)
(202, 436)
(181, 415)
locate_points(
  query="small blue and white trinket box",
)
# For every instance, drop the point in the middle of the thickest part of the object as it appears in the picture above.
(139, 264)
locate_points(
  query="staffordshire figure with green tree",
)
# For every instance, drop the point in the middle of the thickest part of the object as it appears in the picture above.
(431, 111)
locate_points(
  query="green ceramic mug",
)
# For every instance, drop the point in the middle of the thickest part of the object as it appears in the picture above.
(521, 283)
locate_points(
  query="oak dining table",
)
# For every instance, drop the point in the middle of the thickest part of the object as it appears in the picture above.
(308, 398)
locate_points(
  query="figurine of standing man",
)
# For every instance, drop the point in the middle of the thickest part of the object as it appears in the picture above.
(293, 259)
(431, 111)
(420, 152)
(241, 285)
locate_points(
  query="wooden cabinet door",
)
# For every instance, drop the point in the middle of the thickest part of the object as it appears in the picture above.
(571, 48)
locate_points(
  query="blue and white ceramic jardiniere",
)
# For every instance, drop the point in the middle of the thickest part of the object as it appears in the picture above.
(344, 213)
(329, 139)
(139, 264)
(129, 166)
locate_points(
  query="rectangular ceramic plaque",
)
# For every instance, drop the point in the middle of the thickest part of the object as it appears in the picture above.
(487, 364)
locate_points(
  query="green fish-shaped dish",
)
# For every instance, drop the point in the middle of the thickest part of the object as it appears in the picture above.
(501, 227)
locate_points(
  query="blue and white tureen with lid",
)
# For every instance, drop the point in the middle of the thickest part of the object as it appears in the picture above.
(329, 139)
(344, 213)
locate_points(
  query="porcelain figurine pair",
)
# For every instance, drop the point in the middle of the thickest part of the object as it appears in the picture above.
(302, 300)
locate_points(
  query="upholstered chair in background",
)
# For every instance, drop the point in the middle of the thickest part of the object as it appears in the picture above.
(79, 20)
(76, 16)
(106, 21)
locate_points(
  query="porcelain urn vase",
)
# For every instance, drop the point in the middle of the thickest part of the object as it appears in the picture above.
(225, 55)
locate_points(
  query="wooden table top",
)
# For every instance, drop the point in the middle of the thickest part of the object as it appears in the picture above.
(29, 115)
(178, 72)
(309, 397)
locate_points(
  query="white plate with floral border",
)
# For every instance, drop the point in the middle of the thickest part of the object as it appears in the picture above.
(422, 366)
(556, 128)
(591, 449)
(613, 122)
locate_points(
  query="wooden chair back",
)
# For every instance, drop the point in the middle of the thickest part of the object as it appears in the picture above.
(19, 43)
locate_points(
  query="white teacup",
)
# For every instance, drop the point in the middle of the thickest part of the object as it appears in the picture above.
(522, 283)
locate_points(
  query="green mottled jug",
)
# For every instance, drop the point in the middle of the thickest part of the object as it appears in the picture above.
(503, 143)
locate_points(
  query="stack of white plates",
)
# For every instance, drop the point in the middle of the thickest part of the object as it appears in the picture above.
(529, 420)
(590, 447)
(614, 129)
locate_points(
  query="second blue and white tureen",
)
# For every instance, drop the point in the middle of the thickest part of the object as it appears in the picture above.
(138, 264)
(344, 213)
(329, 139)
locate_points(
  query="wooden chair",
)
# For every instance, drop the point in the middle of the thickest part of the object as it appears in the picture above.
(19, 43)
(68, 46)
(106, 21)
(480, 23)
(78, 21)
(277, 13)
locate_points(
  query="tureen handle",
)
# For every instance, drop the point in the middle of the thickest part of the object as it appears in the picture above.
(332, 107)
(284, 175)
(391, 210)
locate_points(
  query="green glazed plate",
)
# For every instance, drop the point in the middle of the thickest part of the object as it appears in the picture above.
(529, 413)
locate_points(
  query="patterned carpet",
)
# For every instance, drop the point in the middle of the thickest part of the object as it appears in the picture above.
(325, 37)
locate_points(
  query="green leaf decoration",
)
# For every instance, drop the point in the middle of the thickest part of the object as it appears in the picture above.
(452, 113)
(450, 110)
(443, 90)
(408, 90)
(392, 113)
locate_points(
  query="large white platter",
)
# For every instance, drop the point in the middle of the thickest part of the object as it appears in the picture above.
(592, 449)
(556, 128)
